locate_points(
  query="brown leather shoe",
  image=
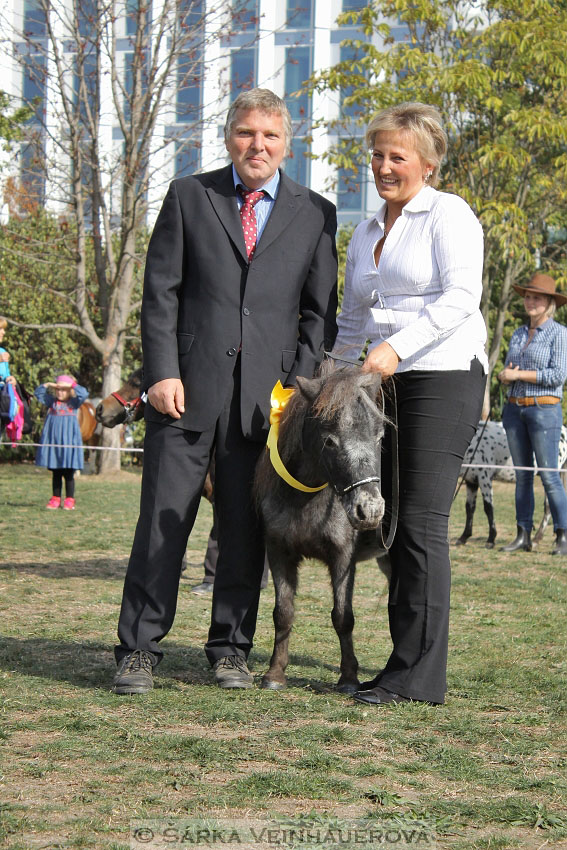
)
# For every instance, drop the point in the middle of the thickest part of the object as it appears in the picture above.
(232, 672)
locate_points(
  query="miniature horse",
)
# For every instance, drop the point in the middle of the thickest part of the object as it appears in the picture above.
(331, 431)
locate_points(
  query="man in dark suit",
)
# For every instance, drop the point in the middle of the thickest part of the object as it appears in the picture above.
(239, 291)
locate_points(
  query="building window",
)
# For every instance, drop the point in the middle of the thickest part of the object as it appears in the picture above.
(242, 69)
(299, 14)
(32, 175)
(297, 70)
(187, 157)
(353, 111)
(189, 87)
(33, 84)
(34, 19)
(191, 14)
(297, 163)
(354, 5)
(350, 191)
(244, 15)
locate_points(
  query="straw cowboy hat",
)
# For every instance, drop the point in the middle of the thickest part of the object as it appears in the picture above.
(542, 284)
(64, 382)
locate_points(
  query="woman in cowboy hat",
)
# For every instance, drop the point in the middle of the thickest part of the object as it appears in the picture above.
(61, 444)
(535, 373)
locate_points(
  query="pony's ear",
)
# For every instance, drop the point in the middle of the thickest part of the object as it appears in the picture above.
(309, 387)
(371, 382)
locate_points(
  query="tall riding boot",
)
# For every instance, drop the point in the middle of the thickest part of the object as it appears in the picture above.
(522, 542)
(560, 542)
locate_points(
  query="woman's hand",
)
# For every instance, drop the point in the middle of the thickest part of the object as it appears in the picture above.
(381, 359)
(509, 374)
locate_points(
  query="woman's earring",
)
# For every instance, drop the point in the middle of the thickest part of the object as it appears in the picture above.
(427, 177)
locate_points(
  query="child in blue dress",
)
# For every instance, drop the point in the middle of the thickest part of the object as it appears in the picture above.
(60, 449)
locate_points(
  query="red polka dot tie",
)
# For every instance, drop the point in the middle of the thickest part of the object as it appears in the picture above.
(248, 219)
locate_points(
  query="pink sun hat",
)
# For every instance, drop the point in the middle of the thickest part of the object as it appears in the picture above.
(63, 382)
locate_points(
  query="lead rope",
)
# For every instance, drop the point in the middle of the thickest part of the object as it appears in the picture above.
(395, 506)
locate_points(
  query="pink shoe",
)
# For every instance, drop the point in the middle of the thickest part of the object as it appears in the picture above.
(54, 503)
(69, 504)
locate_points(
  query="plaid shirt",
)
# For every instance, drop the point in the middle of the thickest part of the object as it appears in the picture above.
(546, 355)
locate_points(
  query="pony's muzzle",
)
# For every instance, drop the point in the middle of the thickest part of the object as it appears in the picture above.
(364, 507)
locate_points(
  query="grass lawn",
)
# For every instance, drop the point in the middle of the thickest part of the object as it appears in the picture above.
(80, 765)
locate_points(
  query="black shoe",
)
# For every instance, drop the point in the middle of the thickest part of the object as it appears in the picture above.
(232, 672)
(203, 589)
(134, 674)
(560, 542)
(523, 541)
(379, 696)
(371, 683)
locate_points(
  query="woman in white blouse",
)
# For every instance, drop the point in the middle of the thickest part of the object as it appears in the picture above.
(412, 292)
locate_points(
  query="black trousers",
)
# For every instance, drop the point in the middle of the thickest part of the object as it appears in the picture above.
(175, 466)
(437, 414)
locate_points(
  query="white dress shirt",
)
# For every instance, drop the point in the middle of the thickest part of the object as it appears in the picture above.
(423, 297)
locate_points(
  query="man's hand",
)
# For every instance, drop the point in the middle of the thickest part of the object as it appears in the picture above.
(381, 359)
(168, 396)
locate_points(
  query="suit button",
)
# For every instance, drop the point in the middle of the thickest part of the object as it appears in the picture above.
(246, 311)
(231, 352)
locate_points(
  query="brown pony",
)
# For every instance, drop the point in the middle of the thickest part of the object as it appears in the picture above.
(87, 423)
(124, 405)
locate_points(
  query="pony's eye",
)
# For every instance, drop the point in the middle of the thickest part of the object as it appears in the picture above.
(332, 440)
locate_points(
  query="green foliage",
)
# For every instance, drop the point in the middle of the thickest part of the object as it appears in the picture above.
(344, 235)
(38, 288)
(497, 70)
(11, 122)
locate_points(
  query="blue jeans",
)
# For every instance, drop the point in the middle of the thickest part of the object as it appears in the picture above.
(536, 431)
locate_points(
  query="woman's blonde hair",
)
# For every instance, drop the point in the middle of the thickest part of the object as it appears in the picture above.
(551, 308)
(3, 322)
(423, 122)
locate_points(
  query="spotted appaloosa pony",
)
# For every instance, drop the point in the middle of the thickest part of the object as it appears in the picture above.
(331, 431)
(489, 448)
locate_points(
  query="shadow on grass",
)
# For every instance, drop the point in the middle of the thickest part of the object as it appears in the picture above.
(98, 568)
(91, 665)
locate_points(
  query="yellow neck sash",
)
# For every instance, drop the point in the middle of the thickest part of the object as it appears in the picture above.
(279, 398)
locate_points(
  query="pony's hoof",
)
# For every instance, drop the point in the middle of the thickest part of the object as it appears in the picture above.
(460, 542)
(270, 685)
(489, 545)
(348, 688)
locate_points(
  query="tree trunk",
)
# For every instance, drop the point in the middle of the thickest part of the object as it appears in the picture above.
(110, 441)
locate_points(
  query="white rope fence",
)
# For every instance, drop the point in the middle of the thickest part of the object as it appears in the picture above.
(8, 444)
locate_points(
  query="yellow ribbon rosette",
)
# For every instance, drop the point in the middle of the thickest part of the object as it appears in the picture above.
(278, 400)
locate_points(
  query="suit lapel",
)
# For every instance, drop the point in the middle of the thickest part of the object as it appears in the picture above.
(223, 200)
(285, 209)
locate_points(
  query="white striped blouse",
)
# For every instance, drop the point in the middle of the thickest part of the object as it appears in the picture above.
(424, 296)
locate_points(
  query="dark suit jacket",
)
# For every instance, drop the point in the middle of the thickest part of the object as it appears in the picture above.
(203, 302)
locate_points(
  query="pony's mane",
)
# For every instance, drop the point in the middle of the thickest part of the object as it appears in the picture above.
(336, 392)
